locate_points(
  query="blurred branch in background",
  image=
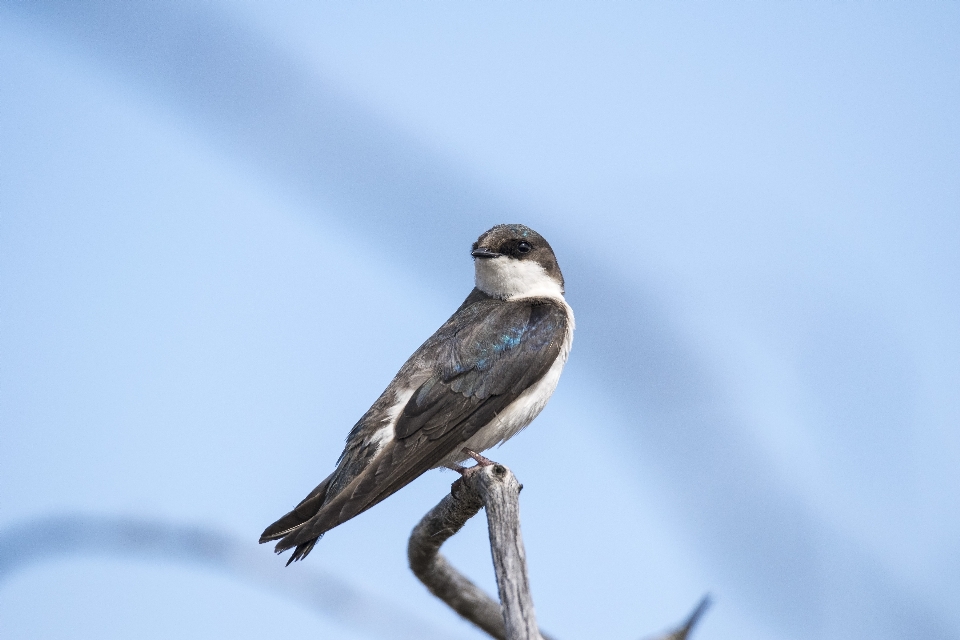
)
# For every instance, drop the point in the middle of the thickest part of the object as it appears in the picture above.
(493, 487)
(44, 539)
(683, 631)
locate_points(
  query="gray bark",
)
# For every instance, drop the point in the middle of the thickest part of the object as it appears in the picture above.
(494, 487)
(436, 573)
(501, 497)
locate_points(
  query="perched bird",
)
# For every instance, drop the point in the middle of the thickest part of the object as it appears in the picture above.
(481, 378)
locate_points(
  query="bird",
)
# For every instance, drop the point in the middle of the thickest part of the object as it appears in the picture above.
(485, 374)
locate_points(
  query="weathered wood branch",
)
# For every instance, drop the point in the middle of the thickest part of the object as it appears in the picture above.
(434, 571)
(494, 487)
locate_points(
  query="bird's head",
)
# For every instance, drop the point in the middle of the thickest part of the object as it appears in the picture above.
(513, 261)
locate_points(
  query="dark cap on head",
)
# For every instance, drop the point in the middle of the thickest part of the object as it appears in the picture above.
(517, 242)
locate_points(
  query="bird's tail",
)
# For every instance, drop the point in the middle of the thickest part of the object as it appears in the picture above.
(302, 513)
(301, 551)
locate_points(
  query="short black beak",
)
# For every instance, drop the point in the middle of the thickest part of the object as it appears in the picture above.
(483, 252)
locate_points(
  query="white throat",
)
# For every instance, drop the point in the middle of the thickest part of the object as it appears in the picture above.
(509, 279)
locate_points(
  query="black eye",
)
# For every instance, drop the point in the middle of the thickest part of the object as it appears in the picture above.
(524, 247)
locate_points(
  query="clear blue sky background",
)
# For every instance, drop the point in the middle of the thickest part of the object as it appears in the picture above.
(223, 227)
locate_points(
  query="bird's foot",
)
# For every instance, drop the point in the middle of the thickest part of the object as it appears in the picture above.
(481, 461)
(467, 471)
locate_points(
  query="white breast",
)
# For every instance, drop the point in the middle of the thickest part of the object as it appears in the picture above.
(521, 412)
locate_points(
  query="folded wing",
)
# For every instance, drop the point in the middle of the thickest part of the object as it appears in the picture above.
(470, 370)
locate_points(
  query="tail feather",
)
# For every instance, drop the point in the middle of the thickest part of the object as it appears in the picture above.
(299, 516)
(302, 550)
(335, 510)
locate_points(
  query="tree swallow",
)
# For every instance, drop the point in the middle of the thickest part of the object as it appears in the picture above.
(480, 379)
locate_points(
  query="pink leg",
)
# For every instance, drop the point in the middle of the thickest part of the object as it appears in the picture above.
(481, 461)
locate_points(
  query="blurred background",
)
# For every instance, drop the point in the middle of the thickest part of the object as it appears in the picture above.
(224, 226)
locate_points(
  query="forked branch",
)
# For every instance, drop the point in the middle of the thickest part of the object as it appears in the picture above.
(494, 487)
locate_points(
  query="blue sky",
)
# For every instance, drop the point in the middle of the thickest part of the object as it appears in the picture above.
(224, 226)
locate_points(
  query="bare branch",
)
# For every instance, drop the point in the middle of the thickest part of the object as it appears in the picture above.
(683, 631)
(494, 487)
(439, 576)
(500, 491)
